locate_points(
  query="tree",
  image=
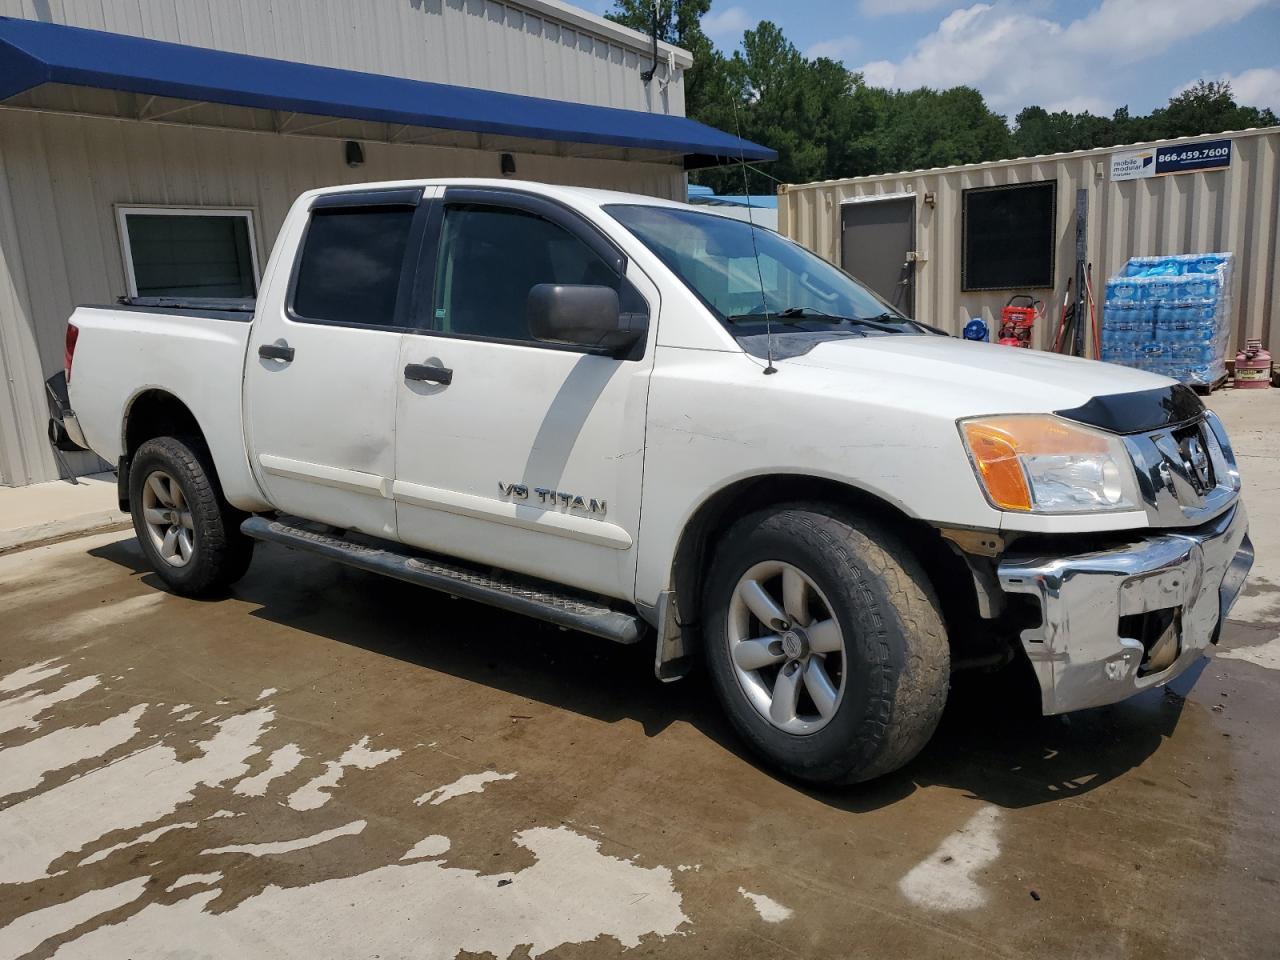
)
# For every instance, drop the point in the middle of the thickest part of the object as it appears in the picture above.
(1207, 106)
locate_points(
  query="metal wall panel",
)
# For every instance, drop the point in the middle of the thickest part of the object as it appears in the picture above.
(62, 176)
(1237, 209)
(540, 48)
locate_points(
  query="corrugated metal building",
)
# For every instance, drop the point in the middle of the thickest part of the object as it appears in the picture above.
(931, 240)
(84, 147)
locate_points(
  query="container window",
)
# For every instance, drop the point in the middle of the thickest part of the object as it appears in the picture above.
(191, 254)
(350, 267)
(1009, 237)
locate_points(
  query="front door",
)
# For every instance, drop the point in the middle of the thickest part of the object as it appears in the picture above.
(877, 237)
(510, 451)
(321, 375)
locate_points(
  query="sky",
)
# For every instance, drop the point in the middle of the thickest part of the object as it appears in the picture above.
(1093, 55)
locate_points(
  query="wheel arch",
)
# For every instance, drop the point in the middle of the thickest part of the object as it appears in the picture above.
(152, 412)
(721, 509)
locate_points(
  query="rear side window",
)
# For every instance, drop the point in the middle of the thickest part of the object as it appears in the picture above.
(350, 267)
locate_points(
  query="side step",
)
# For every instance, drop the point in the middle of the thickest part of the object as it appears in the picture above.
(509, 592)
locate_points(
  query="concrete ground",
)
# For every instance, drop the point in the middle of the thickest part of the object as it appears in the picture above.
(326, 763)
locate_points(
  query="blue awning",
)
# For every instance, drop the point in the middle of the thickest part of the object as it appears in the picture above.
(34, 53)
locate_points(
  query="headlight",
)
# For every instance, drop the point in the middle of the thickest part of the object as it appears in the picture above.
(1043, 464)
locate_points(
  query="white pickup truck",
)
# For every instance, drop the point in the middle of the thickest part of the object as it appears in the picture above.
(654, 424)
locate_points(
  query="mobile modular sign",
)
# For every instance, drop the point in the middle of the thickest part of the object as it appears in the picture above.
(1183, 158)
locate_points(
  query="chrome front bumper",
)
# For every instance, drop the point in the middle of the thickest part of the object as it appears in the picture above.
(1081, 660)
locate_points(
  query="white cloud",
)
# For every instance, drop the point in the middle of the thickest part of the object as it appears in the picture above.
(1017, 57)
(1259, 87)
(835, 48)
(878, 8)
(727, 26)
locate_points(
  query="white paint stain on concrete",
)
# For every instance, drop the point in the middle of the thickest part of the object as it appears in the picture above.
(432, 846)
(21, 711)
(315, 793)
(1263, 654)
(28, 932)
(267, 692)
(191, 879)
(26, 676)
(105, 615)
(279, 763)
(770, 910)
(945, 879)
(471, 783)
(24, 767)
(151, 836)
(134, 791)
(181, 707)
(572, 894)
(274, 847)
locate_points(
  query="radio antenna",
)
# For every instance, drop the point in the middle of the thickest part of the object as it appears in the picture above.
(746, 191)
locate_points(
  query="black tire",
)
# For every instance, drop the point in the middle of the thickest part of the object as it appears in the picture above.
(221, 553)
(896, 660)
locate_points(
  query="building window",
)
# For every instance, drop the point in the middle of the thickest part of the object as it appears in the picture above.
(1008, 236)
(199, 253)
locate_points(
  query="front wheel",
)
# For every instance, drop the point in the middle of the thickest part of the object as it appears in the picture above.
(188, 531)
(825, 643)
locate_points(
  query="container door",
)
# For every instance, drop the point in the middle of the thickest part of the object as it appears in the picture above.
(877, 245)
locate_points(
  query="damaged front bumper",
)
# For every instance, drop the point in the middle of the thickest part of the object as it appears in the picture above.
(1115, 622)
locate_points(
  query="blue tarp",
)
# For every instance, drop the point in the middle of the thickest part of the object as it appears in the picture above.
(34, 53)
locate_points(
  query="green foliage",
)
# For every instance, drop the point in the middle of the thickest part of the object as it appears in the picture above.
(826, 122)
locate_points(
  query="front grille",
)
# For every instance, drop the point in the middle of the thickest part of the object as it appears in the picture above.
(1186, 473)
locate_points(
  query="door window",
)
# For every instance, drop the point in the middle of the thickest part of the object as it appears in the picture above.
(349, 270)
(489, 260)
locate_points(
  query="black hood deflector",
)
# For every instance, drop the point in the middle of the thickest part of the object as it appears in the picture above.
(1140, 411)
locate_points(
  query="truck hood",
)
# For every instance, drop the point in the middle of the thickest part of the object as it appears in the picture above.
(971, 378)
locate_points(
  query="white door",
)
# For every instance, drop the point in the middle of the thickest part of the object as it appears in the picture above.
(321, 376)
(529, 457)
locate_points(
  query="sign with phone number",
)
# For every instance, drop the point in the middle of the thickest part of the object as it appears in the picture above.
(1187, 158)
(1193, 156)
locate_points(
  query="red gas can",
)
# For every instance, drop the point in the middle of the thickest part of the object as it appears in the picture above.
(1016, 322)
(1253, 367)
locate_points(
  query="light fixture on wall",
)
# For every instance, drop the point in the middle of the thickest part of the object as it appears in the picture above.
(355, 153)
(508, 164)
(930, 199)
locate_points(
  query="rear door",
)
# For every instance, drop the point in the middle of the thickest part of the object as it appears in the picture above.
(877, 243)
(521, 454)
(321, 374)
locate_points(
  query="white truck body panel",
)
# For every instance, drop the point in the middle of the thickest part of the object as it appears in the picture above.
(344, 439)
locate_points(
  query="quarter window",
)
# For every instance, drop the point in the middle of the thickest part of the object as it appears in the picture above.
(350, 267)
(489, 260)
(192, 254)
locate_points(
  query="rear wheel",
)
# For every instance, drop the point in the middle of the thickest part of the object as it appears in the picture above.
(188, 531)
(825, 643)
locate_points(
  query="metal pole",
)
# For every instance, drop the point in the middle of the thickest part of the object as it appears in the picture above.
(1082, 297)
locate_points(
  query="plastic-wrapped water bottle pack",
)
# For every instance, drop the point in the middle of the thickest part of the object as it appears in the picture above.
(1170, 315)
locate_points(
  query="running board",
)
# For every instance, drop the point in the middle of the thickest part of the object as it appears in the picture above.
(508, 592)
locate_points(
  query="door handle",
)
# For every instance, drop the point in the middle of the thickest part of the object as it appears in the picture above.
(428, 371)
(276, 351)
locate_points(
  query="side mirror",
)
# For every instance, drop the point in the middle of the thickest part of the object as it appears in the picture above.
(582, 315)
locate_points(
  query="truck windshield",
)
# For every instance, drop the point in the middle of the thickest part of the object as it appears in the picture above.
(740, 281)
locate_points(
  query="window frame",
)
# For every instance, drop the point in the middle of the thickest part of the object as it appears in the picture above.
(123, 210)
(410, 266)
(555, 212)
(1051, 244)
